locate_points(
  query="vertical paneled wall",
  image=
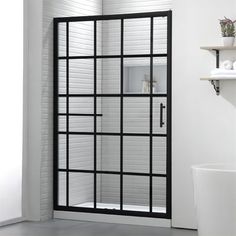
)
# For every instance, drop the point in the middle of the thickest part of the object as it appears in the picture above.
(81, 81)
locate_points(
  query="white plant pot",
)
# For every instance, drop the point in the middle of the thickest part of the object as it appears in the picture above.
(228, 41)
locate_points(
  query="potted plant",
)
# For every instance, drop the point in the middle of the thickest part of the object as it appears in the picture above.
(228, 31)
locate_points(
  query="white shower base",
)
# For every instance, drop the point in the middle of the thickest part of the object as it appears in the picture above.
(117, 219)
(125, 207)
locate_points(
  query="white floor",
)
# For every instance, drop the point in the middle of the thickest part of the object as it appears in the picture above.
(125, 207)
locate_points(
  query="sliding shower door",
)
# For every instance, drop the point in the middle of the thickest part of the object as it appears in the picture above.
(112, 114)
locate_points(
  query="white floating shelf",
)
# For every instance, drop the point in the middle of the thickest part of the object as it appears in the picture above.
(220, 78)
(210, 48)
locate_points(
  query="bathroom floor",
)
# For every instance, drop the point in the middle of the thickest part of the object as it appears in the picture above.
(78, 228)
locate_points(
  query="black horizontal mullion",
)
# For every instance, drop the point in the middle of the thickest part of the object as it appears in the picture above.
(116, 95)
(113, 134)
(74, 114)
(112, 17)
(112, 172)
(144, 174)
(112, 211)
(113, 56)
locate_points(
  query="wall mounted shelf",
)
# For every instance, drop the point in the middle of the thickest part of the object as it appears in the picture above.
(217, 78)
(220, 48)
(216, 81)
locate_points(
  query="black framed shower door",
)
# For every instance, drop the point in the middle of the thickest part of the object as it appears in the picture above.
(68, 95)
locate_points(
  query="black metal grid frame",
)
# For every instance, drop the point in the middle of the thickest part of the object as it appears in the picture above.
(121, 95)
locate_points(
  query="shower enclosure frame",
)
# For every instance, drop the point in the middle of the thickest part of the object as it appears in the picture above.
(120, 95)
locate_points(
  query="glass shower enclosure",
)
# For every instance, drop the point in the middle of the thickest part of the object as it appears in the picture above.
(112, 114)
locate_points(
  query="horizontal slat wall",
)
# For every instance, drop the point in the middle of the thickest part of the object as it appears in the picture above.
(81, 82)
(135, 6)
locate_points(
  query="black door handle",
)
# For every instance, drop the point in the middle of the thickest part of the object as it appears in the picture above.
(162, 107)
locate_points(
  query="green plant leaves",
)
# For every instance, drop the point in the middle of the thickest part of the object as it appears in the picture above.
(227, 27)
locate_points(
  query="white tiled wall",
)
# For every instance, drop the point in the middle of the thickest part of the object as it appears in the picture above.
(82, 82)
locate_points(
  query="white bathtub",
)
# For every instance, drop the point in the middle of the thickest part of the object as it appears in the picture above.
(215, 198)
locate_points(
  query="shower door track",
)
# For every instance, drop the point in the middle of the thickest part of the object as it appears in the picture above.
(121, 134)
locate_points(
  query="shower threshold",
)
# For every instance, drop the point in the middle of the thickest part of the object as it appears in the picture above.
(125, 207)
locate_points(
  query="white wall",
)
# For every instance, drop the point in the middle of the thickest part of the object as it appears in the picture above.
(32, 108)
(203, 123)
(11, 102)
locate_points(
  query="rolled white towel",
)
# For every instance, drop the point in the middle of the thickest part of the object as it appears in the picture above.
(234, 65)
(227, 65)
(223, 72)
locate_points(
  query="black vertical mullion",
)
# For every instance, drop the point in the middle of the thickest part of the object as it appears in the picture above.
(55, 117)
(67, 114)
(151, 115)
(121, 111)
(95, 117)
(169, 119)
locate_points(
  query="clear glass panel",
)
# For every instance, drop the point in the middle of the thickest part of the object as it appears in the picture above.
(81, 124)
(109, 37)
(136, 193)
(108, 75)
(62, 105)
(62, 39)
(81, 152)
(159, 118)
(160, 75)
(159, 155)
(160, 35)
(81, 37)
(81, 105)
(108, 159)
(109, 108)
(62, 76)
(108, 191)
(136, 115)
(136, 154)
(137, 75)
(159, 194)
(81, 190)
(99, 37)
(62, 189)
(62, 123)
(137, 36)
(81, 76)
(62, 151)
